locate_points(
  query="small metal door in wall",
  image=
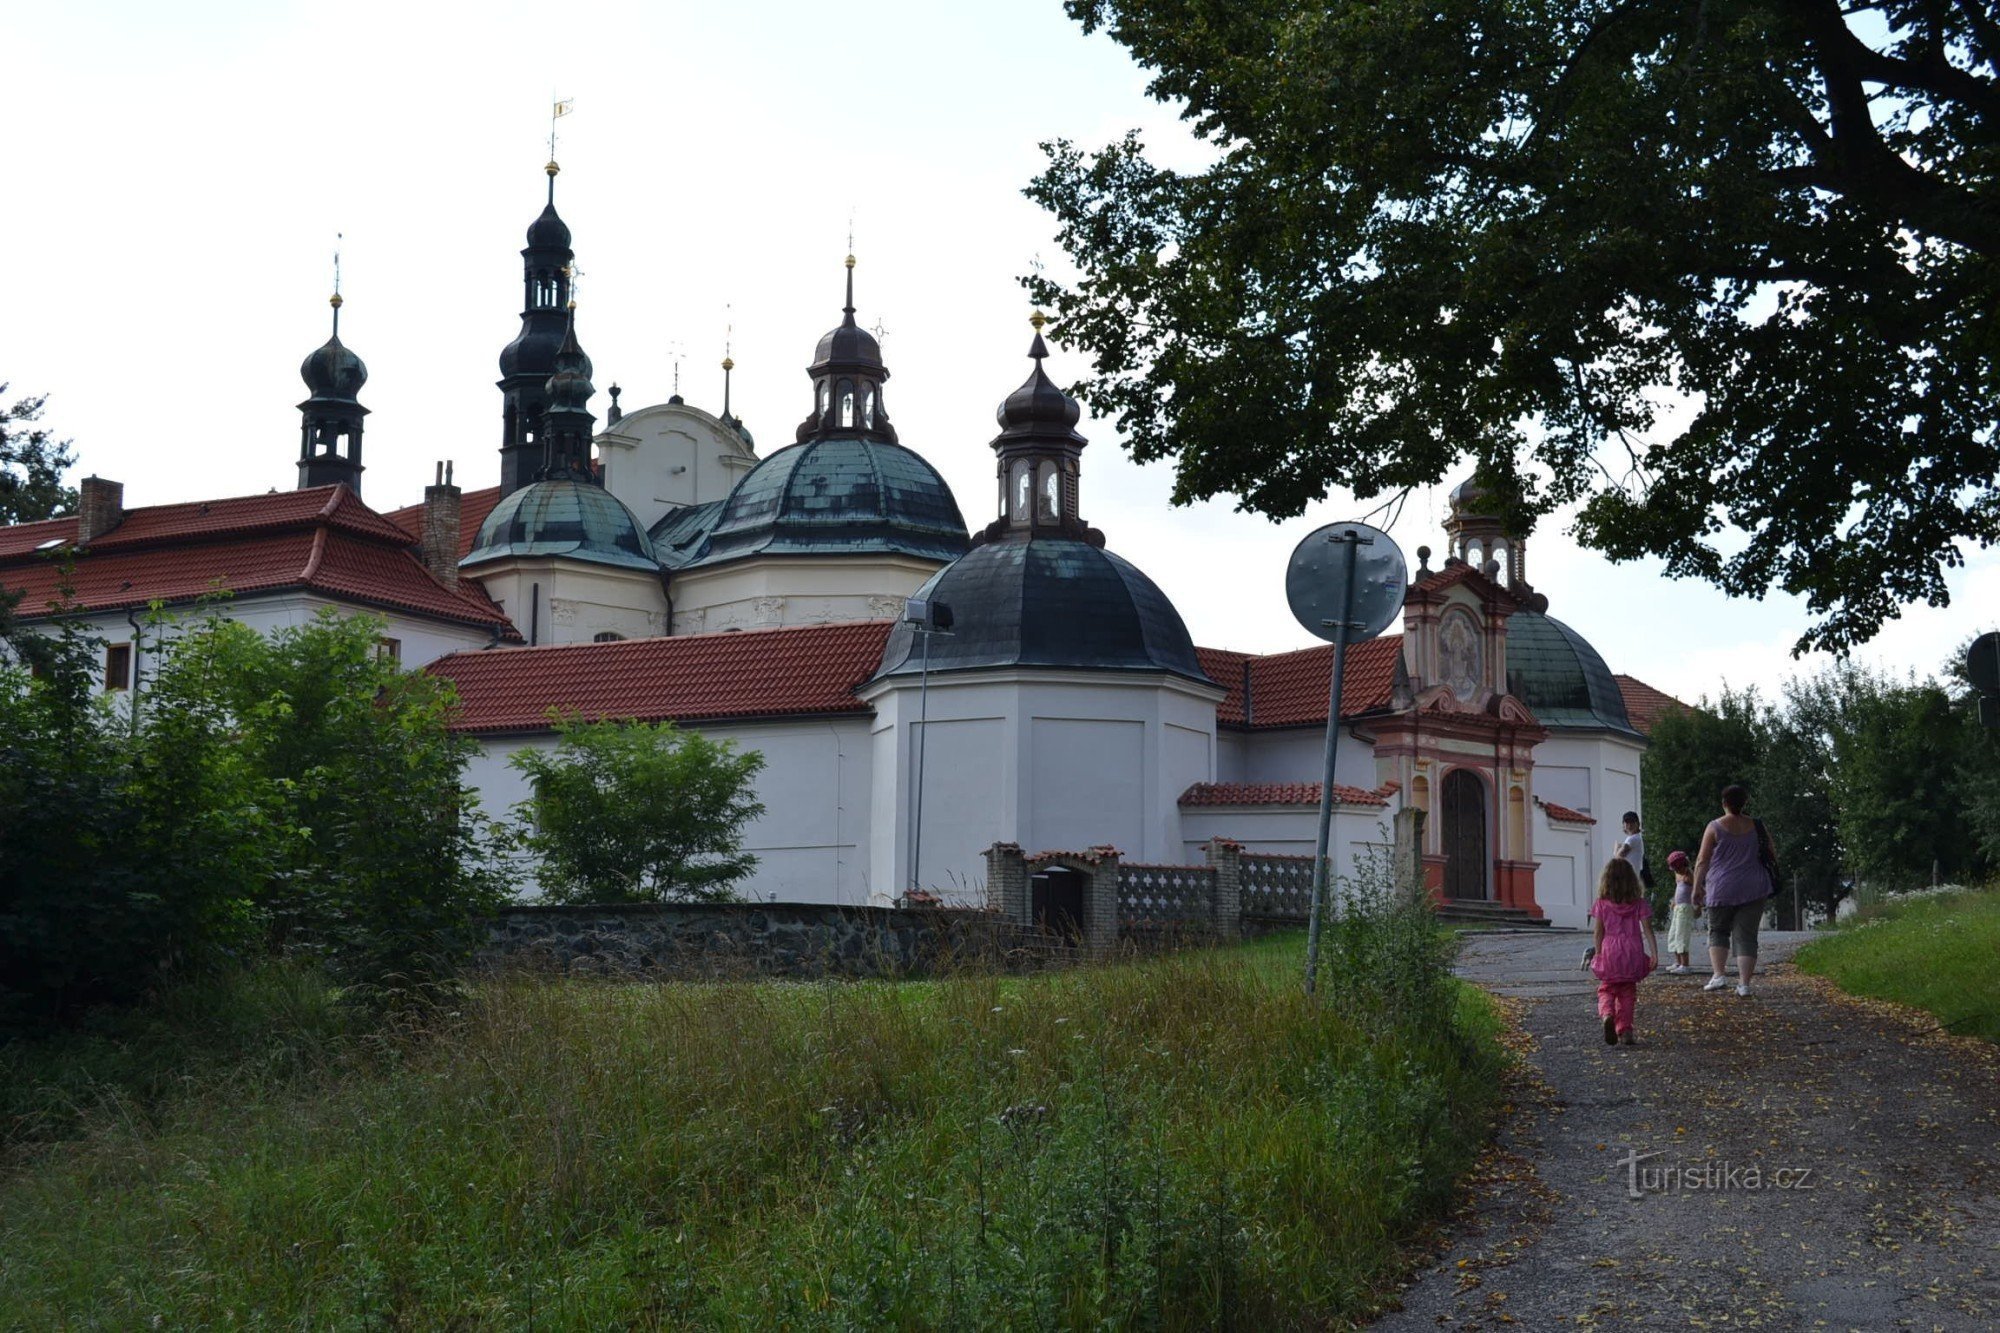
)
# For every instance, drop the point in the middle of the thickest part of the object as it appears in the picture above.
(1055, 897)
(1464, 799)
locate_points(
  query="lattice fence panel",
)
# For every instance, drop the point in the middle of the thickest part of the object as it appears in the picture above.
(1277, 887)
(1151, 896)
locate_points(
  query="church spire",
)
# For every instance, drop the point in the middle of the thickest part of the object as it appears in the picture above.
(848, 374)
(567, 428)
(1038, 448)
(330, 417)
(547, 272)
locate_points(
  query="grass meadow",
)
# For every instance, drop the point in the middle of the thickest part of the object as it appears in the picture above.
(1939, 952)
(1180, 1142)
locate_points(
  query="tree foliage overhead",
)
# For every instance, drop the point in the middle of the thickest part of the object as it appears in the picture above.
(31, 465)
(1520, 229)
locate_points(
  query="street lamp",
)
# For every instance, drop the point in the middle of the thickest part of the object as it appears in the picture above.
(925, 616)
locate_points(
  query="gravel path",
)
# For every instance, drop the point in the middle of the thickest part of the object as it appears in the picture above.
(1886, 1132)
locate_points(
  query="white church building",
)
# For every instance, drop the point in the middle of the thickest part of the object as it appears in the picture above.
(663, 568)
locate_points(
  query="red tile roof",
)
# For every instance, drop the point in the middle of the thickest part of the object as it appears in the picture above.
(811, 669)
(1276, 793)
(473, 507)
(1290, 689)
(1564, 813)
(321, 540)
(1645, 705)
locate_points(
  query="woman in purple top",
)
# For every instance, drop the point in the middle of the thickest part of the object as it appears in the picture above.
(1734, 876)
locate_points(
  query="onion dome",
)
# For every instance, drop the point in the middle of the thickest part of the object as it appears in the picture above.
(569, 388)
(1038, 410)
(1555, 671)
(1470, 496)
(566, 517)
(1040, 590)
(332, 371)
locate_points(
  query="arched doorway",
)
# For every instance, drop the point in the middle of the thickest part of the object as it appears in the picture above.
(1464, 801)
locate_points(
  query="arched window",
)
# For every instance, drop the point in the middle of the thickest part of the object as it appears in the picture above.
(1023, 493)
(607, 636)
(847, 409)
(868, 411)
(825, 399)
(1048, 501)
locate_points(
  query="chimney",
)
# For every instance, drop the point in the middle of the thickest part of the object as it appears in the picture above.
(101, 508)
(440, 542)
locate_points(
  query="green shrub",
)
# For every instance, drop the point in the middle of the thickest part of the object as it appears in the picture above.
(625, 812)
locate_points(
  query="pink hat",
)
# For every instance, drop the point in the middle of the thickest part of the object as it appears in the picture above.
(1677, 860)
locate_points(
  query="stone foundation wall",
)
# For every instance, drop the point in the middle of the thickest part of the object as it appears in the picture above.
(804, 940)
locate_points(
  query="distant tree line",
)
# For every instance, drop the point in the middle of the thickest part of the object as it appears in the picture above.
(1861, 777)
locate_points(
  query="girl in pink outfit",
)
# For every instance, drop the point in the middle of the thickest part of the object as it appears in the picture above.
(1622, 933)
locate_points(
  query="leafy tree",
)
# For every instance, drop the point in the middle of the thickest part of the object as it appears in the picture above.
(120, 855)
(295, 791)
(31, 466)
(376, 857)
(1517, 228)
(1694, 754)
(1793, 793)
(1897, 753)
(625, 812)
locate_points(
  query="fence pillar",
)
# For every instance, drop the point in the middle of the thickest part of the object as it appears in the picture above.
(1007, 882)
(1100, 909)
(1408, 868)
(1225, 864)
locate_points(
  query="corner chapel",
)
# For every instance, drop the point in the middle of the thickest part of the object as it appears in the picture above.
(661, 567)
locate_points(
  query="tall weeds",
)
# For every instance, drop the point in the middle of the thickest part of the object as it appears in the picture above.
(1180, 1143)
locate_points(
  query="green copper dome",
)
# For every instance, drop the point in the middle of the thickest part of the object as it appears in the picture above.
(838, 495)
(1554, 670)
(564, 517)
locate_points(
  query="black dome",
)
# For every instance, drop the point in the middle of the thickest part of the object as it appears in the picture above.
(533, 352)
(1051, 601)
(549, 231)
(848, 344)
(332, 371)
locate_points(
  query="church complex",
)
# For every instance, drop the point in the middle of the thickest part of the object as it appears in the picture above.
(662, 568)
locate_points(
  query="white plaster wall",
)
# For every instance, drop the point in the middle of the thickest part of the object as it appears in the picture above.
(665, 457)
(1607, 768)
(551, 600)
(1298, 754)
(1087, 782)
(418, 640)
(1232, 750)
(812, 839)
(762, 592)
(1051, 760)
(1565, 877)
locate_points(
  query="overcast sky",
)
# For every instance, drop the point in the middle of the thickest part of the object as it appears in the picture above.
(180, 173)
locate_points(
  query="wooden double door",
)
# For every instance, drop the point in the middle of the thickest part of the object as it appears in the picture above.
(1466, 863)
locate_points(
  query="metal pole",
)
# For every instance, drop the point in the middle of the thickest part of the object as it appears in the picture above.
(923, 731)
(1322, 856)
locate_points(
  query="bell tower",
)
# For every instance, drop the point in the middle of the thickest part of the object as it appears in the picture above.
(330, 417)
(526, 364)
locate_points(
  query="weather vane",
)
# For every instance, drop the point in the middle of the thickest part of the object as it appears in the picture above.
(561, 107)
